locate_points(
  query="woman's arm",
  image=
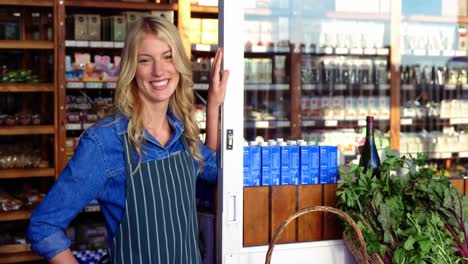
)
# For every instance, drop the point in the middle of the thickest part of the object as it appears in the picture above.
(216, 94)
(64, 257)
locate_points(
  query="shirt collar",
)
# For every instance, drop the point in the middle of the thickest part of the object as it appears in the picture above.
(122, 124)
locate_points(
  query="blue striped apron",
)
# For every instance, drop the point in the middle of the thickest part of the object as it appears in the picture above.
(159, 224)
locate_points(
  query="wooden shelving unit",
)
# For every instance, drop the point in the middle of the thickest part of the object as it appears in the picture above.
(26, 173)
(24, 87)
(26, 130)
(204, 9)
(120, 5)
(19, 257)
(27, 3)
(26, 44)
(15, 215)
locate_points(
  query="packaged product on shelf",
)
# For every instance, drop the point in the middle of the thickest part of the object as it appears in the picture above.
(285, 160)
(294, 162)
(314, 164)
(266, 33)
(9, 203)
(251, 32)
(132, 16)
(209, 33)
(114, 28)
(256, 165)
(169, 15)
(279, 70)
(266, 164)
(338, 107)
(326, 107)
(305, 168)
(195, 30)
(247, 164)
(324, 164)
(275, 165)
(81, 27)
(94, 27)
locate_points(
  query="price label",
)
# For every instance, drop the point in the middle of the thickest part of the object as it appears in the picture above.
(309, 87)
(357, 51)
(262, 124)
(419, 52)
(382, 51)
(461, 121)
(82, 43)
(328, 50)
(282, 49)
(93, 85)
(331, 123)
(75, 85)
(463, 154)
(433, 52)
(465, 87)
(119, 45)
(449, 53)
(202, 47)
(361, 122)
(460, 53)
(73, 126)
(406, 121)
(450, 87)
(87, 125)
(370, 51)
(407, 87)
(95, 44)
(308, 123)
(111, 85)
(259, 48)
(107, 44)
(70, 43)
(341, 50)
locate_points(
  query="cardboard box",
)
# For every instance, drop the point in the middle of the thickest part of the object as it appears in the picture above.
(94, 27)
(81, 27)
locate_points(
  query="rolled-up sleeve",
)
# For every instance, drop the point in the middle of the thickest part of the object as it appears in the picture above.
(81, 181)
(210, 166)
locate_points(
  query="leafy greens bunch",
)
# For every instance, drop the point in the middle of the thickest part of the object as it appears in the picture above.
(417, 217)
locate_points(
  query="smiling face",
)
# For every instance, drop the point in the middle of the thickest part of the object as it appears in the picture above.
(156, 75)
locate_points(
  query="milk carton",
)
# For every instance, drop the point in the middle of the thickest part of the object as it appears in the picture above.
(305, 169)
(266, 164)
(275, 165)
(294, 162)
(256, 164)
(247, 165)
(285, 174)
(314, 163)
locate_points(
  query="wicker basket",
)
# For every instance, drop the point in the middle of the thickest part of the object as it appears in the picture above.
(361, 255)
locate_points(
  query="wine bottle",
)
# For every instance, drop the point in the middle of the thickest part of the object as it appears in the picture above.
(369, 155)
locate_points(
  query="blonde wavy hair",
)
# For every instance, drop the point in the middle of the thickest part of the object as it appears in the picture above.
(181, 103)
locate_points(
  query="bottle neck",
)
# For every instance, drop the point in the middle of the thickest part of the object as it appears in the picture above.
(370, 130)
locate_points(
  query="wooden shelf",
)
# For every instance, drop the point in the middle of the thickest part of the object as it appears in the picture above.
(463, 20)
(28, 2)
(26, 44)
(15, 248)
(121, 5)
(204, 9)
(26, 87)
(26, 173)
(19, 257)
(27, 130)
(358, 16)
(15, 215)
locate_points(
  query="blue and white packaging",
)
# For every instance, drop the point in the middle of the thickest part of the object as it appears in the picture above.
(333, 164)
(256, 164)
(294, 162)
(324, 157)
(247, 165)
(275, 165)
(305, 163)
(266, 164)
(285, 174)
(314, 162)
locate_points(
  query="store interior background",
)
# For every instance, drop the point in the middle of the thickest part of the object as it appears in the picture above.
(404, 62)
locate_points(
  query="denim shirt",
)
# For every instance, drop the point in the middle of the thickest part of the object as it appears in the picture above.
(98, 171)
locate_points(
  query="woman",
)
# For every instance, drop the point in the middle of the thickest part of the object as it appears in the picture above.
(141, 163)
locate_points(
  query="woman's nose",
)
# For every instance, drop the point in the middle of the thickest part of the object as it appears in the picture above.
(158, 67)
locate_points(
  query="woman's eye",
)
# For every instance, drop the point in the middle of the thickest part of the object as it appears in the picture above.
(143, 60)
(168, 57)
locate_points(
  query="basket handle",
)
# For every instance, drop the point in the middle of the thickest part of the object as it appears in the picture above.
(311, 209)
